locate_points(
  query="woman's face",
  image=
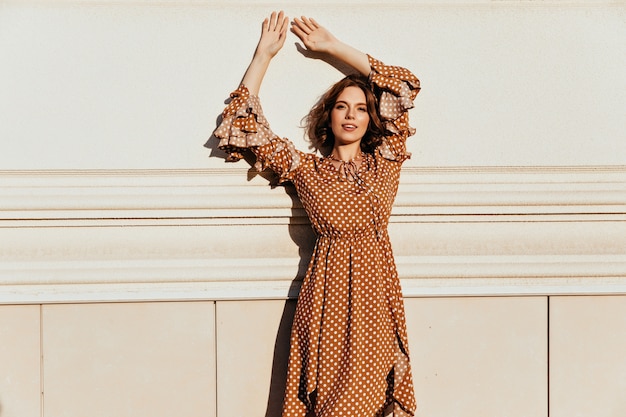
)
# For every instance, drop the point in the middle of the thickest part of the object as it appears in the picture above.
(349, 118)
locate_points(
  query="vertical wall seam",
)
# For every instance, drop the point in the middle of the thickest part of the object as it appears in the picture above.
(41, 363)
(548, 356)
(215, 359)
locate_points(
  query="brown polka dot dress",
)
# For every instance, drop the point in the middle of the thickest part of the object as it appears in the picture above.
(349, 351)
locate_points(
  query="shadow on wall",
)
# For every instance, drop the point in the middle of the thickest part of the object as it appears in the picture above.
(303, 236)
(278, 380)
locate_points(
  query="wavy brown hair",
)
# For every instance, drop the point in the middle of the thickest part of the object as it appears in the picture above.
(317, 122)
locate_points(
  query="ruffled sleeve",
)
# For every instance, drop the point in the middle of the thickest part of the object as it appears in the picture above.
(396, 88)
(244, 126)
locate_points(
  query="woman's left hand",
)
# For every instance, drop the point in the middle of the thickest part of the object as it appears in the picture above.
(314, 36)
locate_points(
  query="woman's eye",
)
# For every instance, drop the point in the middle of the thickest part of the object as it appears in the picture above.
(362, 109)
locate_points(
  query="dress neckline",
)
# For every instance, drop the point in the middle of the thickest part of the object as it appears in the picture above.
(348, 171)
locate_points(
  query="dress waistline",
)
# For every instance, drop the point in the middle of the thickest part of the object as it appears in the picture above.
(338, 236)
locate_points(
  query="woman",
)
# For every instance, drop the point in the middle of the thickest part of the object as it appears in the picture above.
(349, 352)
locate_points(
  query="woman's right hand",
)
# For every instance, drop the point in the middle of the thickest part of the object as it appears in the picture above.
(273, 35)
(314, 36)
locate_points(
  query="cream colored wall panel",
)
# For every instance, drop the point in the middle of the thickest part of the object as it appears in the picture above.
(471, 236)
(587, 362)
(128, 360)
(184, 246)
(56, 264)
(20, 358)
(108, 194)
(139, 84)
(242, 195)
(151, 242)
(252, 354)
(161, 234)
(209, 262)
(475, 357)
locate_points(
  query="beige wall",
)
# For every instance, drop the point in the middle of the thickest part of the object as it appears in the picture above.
(93, 84)
(141, 275)
(472, 356)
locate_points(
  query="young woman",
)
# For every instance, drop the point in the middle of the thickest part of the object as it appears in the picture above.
(349, 352)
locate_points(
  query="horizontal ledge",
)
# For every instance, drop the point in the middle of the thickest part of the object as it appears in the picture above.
(240, 170)
(286, 269)
(272, 290)
(99, 220)
(276, 278)
(218, 193)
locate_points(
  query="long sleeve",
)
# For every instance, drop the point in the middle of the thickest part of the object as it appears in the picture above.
(396, 88)
(244, 126)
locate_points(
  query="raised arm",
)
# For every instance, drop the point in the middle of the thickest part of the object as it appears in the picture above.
(243, 124)
(396, 87)
(318, 39)
(273, 35)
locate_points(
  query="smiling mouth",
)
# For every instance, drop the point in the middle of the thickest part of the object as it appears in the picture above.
(349, 127)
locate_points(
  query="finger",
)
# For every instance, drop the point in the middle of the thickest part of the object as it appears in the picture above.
(296, 28)
(298, 31)
(299, 25)
(302, 24)
(314, 23)
(284, 23)
(279, 21)
(272, 21)
(307, 23)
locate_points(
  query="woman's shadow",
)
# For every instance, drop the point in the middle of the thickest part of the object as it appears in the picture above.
(303, 236)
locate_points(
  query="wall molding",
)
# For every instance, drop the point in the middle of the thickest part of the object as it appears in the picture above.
(248, 278)
(216, 193)
(71, 236)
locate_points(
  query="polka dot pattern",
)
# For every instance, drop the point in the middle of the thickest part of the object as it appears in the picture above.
(349, 349)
